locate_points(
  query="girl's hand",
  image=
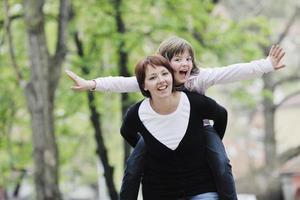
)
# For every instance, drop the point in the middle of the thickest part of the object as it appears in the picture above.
(276, 54)
(80, 83)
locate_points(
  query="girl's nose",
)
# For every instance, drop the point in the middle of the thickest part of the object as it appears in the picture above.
(184, 62)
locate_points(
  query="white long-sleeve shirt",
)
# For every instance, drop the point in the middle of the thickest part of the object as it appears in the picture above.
(200, 82)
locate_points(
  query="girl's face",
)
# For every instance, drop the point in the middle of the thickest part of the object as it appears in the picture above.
(182, 65)
(158, 81)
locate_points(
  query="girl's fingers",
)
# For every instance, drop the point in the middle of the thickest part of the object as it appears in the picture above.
(281, 56)
(69, 73)
(271, 50)
(276, 50)
(72, 75)
(278, 53)
(280, 66)
(76, 87)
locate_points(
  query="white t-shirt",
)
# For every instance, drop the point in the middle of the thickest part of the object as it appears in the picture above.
(168, 129)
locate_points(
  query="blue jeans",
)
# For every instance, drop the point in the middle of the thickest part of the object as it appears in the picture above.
(205, 196)
(220, 165)
(133, 172)
(216, 157)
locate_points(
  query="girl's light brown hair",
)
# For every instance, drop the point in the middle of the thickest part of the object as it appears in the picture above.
(151, 61)
(175, 45)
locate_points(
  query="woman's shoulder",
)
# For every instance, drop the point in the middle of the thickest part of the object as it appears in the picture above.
(196, 98)
(133, 109)
(193, 94)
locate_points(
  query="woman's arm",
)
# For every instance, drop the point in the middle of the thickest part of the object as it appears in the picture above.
(129, 129)
(106, 84)
(237, 72)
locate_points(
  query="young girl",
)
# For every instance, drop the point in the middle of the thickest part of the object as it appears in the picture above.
(186, 74)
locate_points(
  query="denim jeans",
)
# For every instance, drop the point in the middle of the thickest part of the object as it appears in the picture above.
(133, 172)
(220, 165)
(216, 157)
(206, 196)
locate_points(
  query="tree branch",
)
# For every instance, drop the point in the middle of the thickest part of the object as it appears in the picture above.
(284, 80)
(289, 154)
(60, 52)
(287, 98)
(64, 15)
(11, 18)
(19, 182)
(288, 26)
(284, 32)
(7, 23)
(198, 37)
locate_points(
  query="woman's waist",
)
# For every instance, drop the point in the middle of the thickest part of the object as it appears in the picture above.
(177, 174)
(178, 187)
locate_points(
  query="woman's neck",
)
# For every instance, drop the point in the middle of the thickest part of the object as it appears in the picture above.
(166, 105)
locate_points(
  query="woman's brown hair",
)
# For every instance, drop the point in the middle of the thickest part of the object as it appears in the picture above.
(151, 61)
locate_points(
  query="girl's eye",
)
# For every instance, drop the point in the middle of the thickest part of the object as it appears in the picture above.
(151, 78)
(189, 59)
(165, 73)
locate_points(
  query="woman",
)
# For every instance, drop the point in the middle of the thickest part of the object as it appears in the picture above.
(175, 163)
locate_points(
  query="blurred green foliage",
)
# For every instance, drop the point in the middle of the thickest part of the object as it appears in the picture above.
(217, 40)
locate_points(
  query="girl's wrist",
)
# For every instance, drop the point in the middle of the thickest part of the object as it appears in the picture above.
(92, 85)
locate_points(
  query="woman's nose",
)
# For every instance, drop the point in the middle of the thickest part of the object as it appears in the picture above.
(160, 79)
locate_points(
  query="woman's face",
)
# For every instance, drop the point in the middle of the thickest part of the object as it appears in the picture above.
(182, 65)
(158, 81)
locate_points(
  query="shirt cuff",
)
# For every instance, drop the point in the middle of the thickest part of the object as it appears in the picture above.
(268, 66)
(94, 88)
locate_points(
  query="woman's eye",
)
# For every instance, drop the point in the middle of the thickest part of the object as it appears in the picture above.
(152, 78)
(165, 73)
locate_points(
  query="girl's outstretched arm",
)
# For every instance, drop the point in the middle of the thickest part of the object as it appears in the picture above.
(236, 72)
(117, 84)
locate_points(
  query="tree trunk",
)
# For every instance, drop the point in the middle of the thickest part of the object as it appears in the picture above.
(101, 149)
(39, 92)
(265, 184)
(41, 108)
(269, 117)
(123, 62)
(95, 119)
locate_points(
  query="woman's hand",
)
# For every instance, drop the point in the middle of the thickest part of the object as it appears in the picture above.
(276, 54)
(80, 83)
